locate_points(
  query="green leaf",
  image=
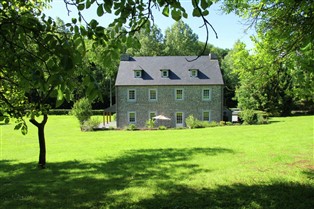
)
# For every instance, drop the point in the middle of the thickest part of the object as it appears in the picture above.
(74, 20)
(60, 97)
(205, 12)
(18, 126)
(81, 7)
(76, 29)
(88, 4)
(100, 10)
(83, 30)
(205, 4)
(176, 15)
(60, 94)
(108, 6)
(195, 3)
(24, 129)
(165, 11)
(93, 23)
(117, 12)
(196, 12)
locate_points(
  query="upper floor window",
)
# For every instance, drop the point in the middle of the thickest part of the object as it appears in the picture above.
(164, 73)
(179, 94)
(206, 94)
(131, 95)
(193, 73)
(152, 94)
(137, 73)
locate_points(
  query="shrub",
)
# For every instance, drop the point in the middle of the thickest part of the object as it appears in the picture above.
(162, 128)
(262, 118)
(68, 111)
(90, 124)
(222, 123)
(150, 124)
(82, 110)
(250, 117)
(192, 122)
(228, 123)
(212, 124)
(203, 124)
(200, 124)
(59, 111)
(131, 127)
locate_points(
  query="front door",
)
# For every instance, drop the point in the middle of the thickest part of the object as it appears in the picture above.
(179, 119)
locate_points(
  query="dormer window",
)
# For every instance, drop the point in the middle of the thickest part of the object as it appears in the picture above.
(164, 73)
(138, 73)
(193, 73)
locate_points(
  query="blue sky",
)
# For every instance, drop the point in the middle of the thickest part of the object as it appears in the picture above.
(230, 28)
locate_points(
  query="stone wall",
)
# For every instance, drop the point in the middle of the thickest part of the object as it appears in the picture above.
(167, 105)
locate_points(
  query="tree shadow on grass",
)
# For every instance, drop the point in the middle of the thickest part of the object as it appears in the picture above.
(275, 196)
(147, 178)
(309, 173)
(76, 184)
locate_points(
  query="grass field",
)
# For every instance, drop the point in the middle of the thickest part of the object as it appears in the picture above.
(265, 166)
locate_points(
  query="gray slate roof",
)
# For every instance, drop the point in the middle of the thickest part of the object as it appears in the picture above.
(209, 71)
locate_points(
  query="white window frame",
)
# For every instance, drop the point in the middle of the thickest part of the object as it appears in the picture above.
(131, 100)
(137, 73)
(152, 112)
(129, 114)
(209, 115)
(149, 95)
(166, 71)
(209, 96)
(176, 119)
(194, 73)
(176, 94)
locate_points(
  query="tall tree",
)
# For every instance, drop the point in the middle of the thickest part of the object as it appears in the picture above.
(35, 63)
(151, 42)
(262, 83)
(180, 40)
(285, 30)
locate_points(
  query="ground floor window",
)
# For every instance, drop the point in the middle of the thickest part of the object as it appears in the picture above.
(179, 118)
(131, 117)
(152, 114)
(206, 115)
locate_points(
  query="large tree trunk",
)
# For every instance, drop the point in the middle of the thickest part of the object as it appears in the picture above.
(41, 138)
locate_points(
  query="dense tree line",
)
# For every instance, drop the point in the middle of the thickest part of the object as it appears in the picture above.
(276, 76)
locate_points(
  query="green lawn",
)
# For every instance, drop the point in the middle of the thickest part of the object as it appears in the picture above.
(265, 166)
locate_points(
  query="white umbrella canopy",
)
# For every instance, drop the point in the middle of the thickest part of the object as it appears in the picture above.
(161, 117)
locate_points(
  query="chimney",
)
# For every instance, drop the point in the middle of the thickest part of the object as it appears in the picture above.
(213, 56)
(125, 57)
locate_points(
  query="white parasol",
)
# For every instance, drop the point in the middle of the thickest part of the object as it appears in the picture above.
(161, 117)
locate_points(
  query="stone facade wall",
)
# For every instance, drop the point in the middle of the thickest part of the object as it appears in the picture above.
(167, 105)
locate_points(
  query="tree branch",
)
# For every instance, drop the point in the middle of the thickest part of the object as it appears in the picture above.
(206, 23)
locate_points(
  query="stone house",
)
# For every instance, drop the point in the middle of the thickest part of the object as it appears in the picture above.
(168, 85)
